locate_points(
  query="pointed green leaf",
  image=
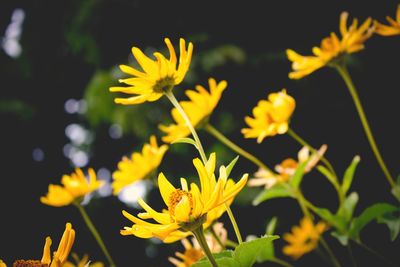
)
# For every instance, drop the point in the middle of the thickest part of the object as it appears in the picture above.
(333, 220)
(349, 174)
(331, 178)
(185, 140)
(276, 191)
(231, 165)
(271, 226)
(297, 177)
(224, 258)
(347, 209)
(343, 239)
(248, 252)
(392, 221)
(268, 251)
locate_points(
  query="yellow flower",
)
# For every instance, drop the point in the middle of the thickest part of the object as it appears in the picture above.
(75, 187)
(59, 256)
(271, 116)
(304, 238)
(139, 166)
(193, 251)
(198, 109)
(331, 48)
(2, 264)
(392, 29)
(158, 76)
(83, 262)
(187, 209)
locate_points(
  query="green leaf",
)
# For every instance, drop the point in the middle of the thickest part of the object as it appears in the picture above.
(248, 252)
(297, 177)
(392, 221)
(347, 209)
(369, 214)
(276, 191)
(231, 165)
(268, 252)
(349, 174)
(224, 258)
(333, 220)
(327, 174)
(343, 239)
(185, 140)
(271, 226)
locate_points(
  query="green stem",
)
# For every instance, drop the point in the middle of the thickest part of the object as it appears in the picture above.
(234, 224)
(232, 244)
(372, 251)
(281, 262)
(199, 234)
(353, 259)
(178, 107)
(329, 251)
(353, 92)
(303, 203)
(223, 139)
(95, 233)
(216, 237)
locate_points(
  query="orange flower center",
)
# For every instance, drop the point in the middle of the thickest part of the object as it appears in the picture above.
(29, 263)
(176, 197)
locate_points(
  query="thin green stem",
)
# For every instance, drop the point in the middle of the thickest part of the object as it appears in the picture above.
(303, 203)
(281, 262)
(234, 224)
(232, 244)
(199, 234)
(360, 110)
(332, 256)
(178, 107)
(372, 251)
(352, 258)
(223, 139)
(216, 237)
(95, 233)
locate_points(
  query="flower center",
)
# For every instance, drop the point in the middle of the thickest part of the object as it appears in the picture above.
(176, 197)
(192, 255)
(29, 263)
(164, 84)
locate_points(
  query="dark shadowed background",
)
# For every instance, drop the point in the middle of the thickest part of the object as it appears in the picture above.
(56, 112)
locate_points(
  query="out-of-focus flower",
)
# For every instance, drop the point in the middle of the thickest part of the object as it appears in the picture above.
(200, 106)
(139, 166)
(82, 262)
(331, 48)
(287, 168)
(158, 76)
(392, 29)
(271, 116)
(303, 238)
(187, 210)
(2, 264)
(75, 187)
(193, 252)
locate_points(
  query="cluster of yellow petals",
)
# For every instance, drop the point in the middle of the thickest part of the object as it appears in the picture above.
(303, 238)
(74, 187)
(187, 208)
(82, 262)
(139, 165)
(352, 40)
(271, 116)
(392, 29)
(199, 107)
(158, 76)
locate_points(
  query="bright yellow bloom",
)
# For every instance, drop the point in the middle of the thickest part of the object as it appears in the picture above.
(75, 187)
(158, 76)
(83, 262)
(352, 40)
(194, 252)
(198, 109)
(392, 29)
(187, 208)
(2, 264)
(304, 238)
(271, 116)
(139, 166)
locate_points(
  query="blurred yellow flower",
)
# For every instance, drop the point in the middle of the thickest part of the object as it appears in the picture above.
(82, 262)
(304, 238)
(392, 29)
(2, 264)
(352, 40)
(139, 165)
(271, 116)
(193, 251)
(158, 76)
(200, 106)
(187, 210)
(75, 187)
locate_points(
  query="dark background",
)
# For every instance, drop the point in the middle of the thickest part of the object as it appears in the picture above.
(65, 43)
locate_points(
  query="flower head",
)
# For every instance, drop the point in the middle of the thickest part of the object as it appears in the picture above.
(75, 187)
(139, 165)
(82, 262)
(304, 238)
(392, 29)
(331, 48)
(158, 76)
(187, 208)
(271, 116)
(200, 106)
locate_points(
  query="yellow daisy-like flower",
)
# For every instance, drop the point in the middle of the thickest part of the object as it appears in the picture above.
(59, 257)
(392, 29)
(75, 187)
(187, 208)
(193, 251)
(139, 166)
(82, 262)
(352, 40)
(158, 76)
(304, 238)
(198, 109)
(271, 116)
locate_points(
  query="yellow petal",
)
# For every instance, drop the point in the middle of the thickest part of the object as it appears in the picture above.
(166, 188)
